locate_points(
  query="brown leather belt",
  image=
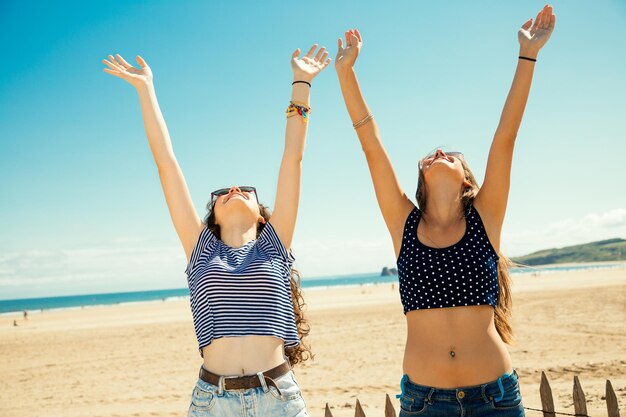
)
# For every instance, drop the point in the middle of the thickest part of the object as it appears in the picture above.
(246, 381)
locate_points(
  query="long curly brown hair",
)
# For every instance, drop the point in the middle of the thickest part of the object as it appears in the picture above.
(302, 352)
(503, 310)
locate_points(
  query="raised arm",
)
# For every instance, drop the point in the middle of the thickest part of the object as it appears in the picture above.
(393, 202)
(288, 189)
(492, 198)
(187, 223)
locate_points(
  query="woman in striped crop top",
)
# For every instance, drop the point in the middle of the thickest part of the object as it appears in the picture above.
(244, 293)
(454, 282)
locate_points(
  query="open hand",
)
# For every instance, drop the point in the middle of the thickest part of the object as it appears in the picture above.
(535, 37)
(136, 77)
(306, 68)
(346, 57)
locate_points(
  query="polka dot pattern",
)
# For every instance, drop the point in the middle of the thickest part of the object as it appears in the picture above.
(463, 274)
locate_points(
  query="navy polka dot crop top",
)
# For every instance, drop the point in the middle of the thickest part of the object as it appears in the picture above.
(463, 274)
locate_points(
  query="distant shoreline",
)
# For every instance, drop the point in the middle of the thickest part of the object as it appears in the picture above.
(83, 301)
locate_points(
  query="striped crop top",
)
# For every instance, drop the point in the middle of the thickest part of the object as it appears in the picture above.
(241, 291)
(465, 273)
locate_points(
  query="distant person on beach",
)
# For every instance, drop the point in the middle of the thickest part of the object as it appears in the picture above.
(245, 296)
(25, 315)
(454, 282)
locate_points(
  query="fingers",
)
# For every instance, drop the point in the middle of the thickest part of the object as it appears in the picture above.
(537, 20)
(123, 62)
(547, 17)
(310, 53)
(542, 22)
(352, 38)
(141, 62)
(323, 58)
(319, 53)
(117, 61)
(296, 53)
(358, 35)
(113, 66)
(112, 72)
(526, 25)
(339, 44)
(552, 21)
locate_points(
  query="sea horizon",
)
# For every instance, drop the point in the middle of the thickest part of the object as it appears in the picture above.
(75, 301)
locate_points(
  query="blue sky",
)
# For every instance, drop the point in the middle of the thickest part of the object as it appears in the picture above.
(83, 210)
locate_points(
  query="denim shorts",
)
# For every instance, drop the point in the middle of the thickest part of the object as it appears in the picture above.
(500, 397)
(208, 400)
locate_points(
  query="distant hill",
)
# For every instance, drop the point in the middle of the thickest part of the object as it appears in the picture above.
(603, 250)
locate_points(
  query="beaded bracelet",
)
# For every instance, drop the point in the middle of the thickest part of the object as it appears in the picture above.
(296, 107)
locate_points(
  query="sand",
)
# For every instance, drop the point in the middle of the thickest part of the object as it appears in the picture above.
(141, 359)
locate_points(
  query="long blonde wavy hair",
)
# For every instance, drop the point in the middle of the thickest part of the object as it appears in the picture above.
(503, 310)
(301, 352)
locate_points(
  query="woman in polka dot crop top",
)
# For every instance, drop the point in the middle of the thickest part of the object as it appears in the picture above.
(454, 282)
(465, 273)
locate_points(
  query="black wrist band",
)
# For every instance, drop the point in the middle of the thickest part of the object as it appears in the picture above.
(306, 82)
(529, 59)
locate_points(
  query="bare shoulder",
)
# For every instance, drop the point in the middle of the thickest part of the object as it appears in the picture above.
(397, 230)
(492, 222)
(192, 235)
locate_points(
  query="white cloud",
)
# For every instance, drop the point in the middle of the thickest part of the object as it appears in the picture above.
(40, 273)
(342, 257)
(567, 232)
(37, 273)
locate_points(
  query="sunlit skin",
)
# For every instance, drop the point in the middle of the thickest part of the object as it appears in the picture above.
(470, 331)
(456, 346)
(237, 213)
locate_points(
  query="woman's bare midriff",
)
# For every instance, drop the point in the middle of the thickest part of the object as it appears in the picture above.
(243, 355)
(480, 355)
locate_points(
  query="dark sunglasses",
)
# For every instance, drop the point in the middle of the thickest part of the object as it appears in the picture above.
(223, 191)
(431, 155)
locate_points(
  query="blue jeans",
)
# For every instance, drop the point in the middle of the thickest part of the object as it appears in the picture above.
(208, 400)
(500, 397)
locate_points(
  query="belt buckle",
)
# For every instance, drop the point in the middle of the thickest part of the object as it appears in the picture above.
(230, 377)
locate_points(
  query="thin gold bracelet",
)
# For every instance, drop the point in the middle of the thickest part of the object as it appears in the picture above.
(364, 120)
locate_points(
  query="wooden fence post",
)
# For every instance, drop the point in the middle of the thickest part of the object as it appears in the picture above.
(580, 403)
(611, 400)
(545, 392)
(358, 412)
(547, 403)
(389, 410)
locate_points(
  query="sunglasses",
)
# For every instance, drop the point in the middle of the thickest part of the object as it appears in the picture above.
(223, 191)
(431, 155)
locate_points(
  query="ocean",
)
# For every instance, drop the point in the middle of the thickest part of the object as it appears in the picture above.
(80, 301)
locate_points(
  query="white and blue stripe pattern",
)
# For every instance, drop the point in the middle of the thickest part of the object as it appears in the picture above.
(241, 291)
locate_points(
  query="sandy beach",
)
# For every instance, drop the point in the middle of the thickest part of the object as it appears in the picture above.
(141, 359)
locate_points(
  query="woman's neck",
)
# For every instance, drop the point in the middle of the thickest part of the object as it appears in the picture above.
(443, 209)
(237, 234)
